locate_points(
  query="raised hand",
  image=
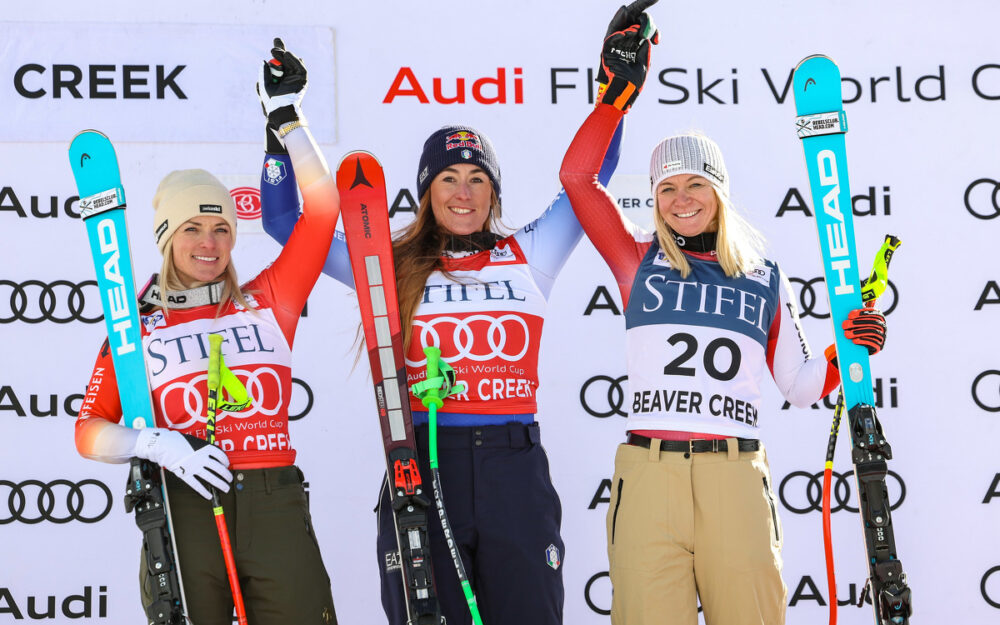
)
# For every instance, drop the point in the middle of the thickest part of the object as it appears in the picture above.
(625, 62)
(627, 16)
(281, 85)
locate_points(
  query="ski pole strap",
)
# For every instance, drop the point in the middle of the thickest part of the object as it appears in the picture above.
(875, 285)
(440, 382)
(832, 123)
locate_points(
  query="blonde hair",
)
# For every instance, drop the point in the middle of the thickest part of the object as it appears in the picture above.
(738, 245)
(170, 281)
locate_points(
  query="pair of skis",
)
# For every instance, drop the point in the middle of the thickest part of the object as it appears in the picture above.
(102, 207)
(821, 124)
(361, 184)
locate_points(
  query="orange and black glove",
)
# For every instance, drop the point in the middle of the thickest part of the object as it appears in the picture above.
(625, 55)
(866, 327)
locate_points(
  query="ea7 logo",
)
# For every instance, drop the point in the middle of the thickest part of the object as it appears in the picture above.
(836, 232)
(117, 301)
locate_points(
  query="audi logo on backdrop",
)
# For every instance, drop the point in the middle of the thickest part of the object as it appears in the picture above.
(297, 400)
(588, 592)
(986, 390)
(58, 501)
(59, 301)
(813, 301)
(603, 396)
(801, 492)
(981, 198)
(992, 598)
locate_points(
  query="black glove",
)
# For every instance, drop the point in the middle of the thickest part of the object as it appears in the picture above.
(866, 327)
(281, 85)
(625, 61)
(625, 17)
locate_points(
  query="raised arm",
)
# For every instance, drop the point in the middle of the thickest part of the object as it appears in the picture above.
(624, 63)
(292, 275)
(549, 240)
(279, 202)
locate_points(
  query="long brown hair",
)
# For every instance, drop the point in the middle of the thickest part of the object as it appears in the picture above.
(417, 254)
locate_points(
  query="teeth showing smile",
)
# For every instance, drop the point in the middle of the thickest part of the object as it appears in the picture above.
(209, 259)
(683, 215)
(460, 211)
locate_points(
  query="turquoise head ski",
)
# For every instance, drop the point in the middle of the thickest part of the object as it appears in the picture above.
(821, 125)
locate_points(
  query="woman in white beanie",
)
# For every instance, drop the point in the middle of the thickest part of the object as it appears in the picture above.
(692, 513)
(277, 558)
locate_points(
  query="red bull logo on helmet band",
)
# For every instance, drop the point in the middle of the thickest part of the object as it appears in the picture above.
(462, 139)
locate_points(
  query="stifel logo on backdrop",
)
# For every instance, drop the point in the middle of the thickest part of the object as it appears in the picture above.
(678, 85)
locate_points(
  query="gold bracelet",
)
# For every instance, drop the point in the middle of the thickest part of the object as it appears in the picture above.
(287, 128)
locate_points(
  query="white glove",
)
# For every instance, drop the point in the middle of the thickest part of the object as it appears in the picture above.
(281, 85)
(197, 464)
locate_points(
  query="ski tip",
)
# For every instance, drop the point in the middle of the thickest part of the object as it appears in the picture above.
(87, 132)
(354, 155)
(812, 57)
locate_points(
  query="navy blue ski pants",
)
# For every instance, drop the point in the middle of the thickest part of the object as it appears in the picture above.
(505, 515)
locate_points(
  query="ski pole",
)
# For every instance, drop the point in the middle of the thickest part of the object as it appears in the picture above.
(214, 390)
(871, 289)
(440, 379)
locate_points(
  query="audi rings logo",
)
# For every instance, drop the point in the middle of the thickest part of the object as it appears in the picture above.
(186, 399)
(987, 595)
(603, 396)
(507, 337)
(981, 198)
(59, 301)
(813, 301)
(986, 390)
(295, 412)
(810, 499)
(58, 501)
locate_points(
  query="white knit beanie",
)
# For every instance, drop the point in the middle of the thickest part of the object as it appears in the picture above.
(689, 154)
(188, 193)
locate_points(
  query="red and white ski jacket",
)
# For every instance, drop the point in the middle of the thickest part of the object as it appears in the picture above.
(257, 345)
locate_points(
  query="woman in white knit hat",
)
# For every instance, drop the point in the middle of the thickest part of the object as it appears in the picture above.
(277, 558)
(692, 513)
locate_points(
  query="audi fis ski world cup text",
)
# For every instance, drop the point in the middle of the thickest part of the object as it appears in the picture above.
(674, 85)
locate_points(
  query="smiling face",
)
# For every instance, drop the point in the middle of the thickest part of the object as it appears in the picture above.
(201, 250)
(460, 198)
(688, 204)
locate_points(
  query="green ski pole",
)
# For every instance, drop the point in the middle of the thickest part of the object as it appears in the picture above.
(432, 392)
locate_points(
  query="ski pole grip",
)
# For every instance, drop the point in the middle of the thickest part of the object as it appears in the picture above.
(214, 356)
(431, 396)
(877, 282)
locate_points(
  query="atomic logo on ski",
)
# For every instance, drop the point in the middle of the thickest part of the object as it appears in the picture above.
(359, 177)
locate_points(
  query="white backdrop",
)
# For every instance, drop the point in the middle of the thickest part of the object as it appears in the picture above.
(172, 85)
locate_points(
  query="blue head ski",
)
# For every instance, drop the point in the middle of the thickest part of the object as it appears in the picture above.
(102, 206)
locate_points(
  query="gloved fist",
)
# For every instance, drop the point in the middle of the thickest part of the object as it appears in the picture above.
(192, 459)
(866, 327)
(625, 17)
(625, 62)
(281, 85)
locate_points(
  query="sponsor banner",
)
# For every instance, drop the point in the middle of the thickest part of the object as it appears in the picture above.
(924, 166)
(192, 92)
